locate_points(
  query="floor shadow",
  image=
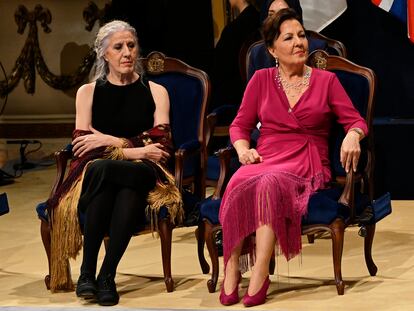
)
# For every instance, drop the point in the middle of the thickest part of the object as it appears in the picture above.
(151, 285)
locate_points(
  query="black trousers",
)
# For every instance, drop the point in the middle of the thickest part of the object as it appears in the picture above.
(113, 201)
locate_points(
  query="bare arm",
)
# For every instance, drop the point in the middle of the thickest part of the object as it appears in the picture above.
(84, 98)
(162, 104)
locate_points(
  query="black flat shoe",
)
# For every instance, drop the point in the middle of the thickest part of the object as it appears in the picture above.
(86, 287)
(107, 294)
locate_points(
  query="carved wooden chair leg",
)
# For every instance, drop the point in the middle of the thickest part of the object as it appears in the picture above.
(311, 238)
(272, 264)
(372, 268)
(200, 248)
(338, 230)
(209, 234)
(45, 234)
(165, 232)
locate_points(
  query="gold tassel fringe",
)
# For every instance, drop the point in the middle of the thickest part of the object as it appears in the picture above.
(66, 236)
(168, 195)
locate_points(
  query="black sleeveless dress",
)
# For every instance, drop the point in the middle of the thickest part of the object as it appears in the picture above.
(120, 111)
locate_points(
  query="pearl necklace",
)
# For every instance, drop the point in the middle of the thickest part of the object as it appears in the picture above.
(293, 89)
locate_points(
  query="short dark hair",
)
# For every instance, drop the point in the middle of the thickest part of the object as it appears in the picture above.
(271, 25)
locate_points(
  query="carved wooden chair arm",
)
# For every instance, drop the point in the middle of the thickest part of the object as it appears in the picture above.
(181, 155)
(225, 155)
(211, 124)
(62, 157)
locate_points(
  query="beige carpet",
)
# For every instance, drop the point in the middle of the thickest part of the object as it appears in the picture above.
(306, 283)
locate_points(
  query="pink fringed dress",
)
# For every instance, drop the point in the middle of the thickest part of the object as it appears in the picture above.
(294, 146)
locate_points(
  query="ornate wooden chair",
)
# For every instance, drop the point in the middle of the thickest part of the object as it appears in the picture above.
(188, 90)
(330, 210)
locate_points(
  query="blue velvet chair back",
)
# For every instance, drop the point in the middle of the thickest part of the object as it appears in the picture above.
(186, 100)
(188, 89)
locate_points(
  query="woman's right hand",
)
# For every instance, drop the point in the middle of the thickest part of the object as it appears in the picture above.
(152, 152)
(249, 156)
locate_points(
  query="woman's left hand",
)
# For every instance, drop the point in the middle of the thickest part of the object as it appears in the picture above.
(350, 151)
(86, 143)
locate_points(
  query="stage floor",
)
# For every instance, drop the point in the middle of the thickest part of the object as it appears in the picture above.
(305, 283)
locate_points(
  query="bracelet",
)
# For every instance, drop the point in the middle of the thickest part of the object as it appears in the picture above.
(357, 130)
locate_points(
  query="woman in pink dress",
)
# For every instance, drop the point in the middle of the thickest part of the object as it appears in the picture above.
(268, 195)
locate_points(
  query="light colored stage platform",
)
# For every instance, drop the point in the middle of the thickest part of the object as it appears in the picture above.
(306, 283)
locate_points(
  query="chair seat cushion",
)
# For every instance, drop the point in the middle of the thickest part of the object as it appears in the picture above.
(42, 213)
(41, 210)
(209, 209)
(323, 207)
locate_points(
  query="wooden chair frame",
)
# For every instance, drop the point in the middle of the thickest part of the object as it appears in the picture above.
(336, 45)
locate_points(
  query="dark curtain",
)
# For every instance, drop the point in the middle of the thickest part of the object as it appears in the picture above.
(376, 39)
(178, 28)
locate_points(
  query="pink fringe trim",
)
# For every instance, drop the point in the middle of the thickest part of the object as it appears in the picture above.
(278, 199)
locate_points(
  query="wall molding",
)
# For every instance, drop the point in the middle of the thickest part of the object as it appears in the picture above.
(36, 130)
(36, 118)
(31, 59)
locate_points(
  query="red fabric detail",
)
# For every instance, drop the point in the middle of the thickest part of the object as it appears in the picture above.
(278, 199)
(158, 134)
(410, 20)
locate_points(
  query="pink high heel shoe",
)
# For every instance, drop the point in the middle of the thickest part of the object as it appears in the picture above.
(258, 298)
(233, 298)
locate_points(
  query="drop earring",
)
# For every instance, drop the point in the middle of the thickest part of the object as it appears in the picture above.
(277, 75)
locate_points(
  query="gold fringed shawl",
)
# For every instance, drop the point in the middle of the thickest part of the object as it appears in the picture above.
(164, 194)
(66, 236)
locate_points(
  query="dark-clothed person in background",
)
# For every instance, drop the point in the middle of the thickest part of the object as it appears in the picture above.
(227, 84)
(259, 56)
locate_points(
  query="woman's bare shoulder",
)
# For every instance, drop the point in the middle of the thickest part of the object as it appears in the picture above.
(86, 89)
(157, 87)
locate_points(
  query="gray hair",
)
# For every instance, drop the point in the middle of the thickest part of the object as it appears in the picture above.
(100, 67)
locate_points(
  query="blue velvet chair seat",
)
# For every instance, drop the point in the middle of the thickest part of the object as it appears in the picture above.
(323, 207)
(209, 209)
(42, 213)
